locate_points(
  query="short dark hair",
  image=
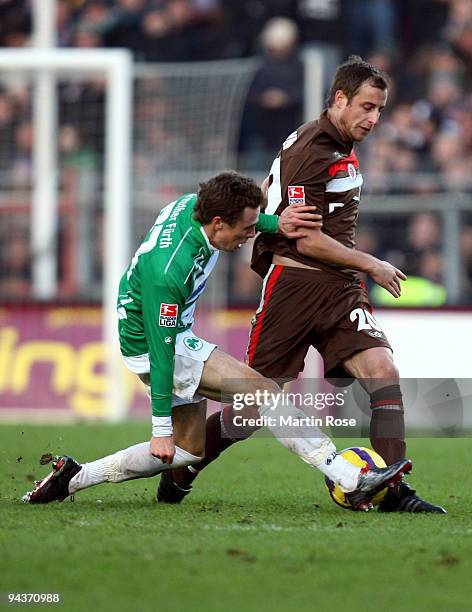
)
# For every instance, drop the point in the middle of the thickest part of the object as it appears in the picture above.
(351, 75)
(226, 195)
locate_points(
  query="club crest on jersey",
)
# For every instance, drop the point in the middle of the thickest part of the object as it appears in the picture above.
(346, 165)
(296, 194)
(168, 315)
(194, 344)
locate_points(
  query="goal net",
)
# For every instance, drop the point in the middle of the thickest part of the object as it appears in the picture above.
(100, 192)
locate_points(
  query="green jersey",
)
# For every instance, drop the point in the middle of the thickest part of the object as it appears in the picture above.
(159, 291)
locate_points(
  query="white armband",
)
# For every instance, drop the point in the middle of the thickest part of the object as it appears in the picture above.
(161, 426)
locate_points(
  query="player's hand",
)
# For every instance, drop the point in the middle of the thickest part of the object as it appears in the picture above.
(163, 448)
(387, 276)
(295, 218)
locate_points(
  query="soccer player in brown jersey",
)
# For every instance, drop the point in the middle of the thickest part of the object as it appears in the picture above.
(317, 277)
(156, 305)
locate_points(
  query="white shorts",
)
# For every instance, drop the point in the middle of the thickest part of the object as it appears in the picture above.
(191, 353)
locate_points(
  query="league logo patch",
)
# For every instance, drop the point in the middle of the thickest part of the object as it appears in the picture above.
(296, 194)
(168, 315)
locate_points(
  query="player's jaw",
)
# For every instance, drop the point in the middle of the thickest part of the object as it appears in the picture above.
(359, 132)
(237, 241)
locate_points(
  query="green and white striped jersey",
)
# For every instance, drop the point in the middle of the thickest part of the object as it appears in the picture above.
(159, 291)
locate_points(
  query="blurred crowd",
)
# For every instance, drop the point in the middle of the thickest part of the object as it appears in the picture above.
(423, 145)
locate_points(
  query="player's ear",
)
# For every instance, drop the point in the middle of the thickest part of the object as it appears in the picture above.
(217, 223)
(340, 99)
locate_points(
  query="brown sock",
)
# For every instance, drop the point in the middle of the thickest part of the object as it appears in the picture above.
(216, 442)
(387, 425)
(391, 450)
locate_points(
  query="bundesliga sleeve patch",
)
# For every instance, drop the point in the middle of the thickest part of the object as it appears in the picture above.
(296, 194)
(168, 315)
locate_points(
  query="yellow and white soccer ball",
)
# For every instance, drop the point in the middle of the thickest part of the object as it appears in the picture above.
(360, 456)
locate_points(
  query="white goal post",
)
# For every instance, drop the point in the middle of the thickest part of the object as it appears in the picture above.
(172, 125)
(117, 69)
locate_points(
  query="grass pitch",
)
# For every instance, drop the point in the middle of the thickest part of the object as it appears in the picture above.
(259, 532)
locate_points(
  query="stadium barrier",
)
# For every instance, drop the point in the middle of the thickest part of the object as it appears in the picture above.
(52, 359)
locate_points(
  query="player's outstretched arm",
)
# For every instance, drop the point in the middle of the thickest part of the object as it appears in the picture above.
(162, 303)
(324, 248)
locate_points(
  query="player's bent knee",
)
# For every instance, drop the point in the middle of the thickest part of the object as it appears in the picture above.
(387, 371)
(260, 383)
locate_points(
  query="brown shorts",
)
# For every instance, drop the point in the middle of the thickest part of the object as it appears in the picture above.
(300, 308)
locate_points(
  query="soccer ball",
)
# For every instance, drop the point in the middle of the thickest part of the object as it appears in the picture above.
(361, 457)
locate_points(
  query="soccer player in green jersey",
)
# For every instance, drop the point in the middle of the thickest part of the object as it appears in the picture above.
(156, 304)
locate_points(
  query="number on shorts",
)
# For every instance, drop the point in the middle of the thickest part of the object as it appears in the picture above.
(365, 320)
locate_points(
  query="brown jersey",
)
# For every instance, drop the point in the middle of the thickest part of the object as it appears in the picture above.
(315, 167)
